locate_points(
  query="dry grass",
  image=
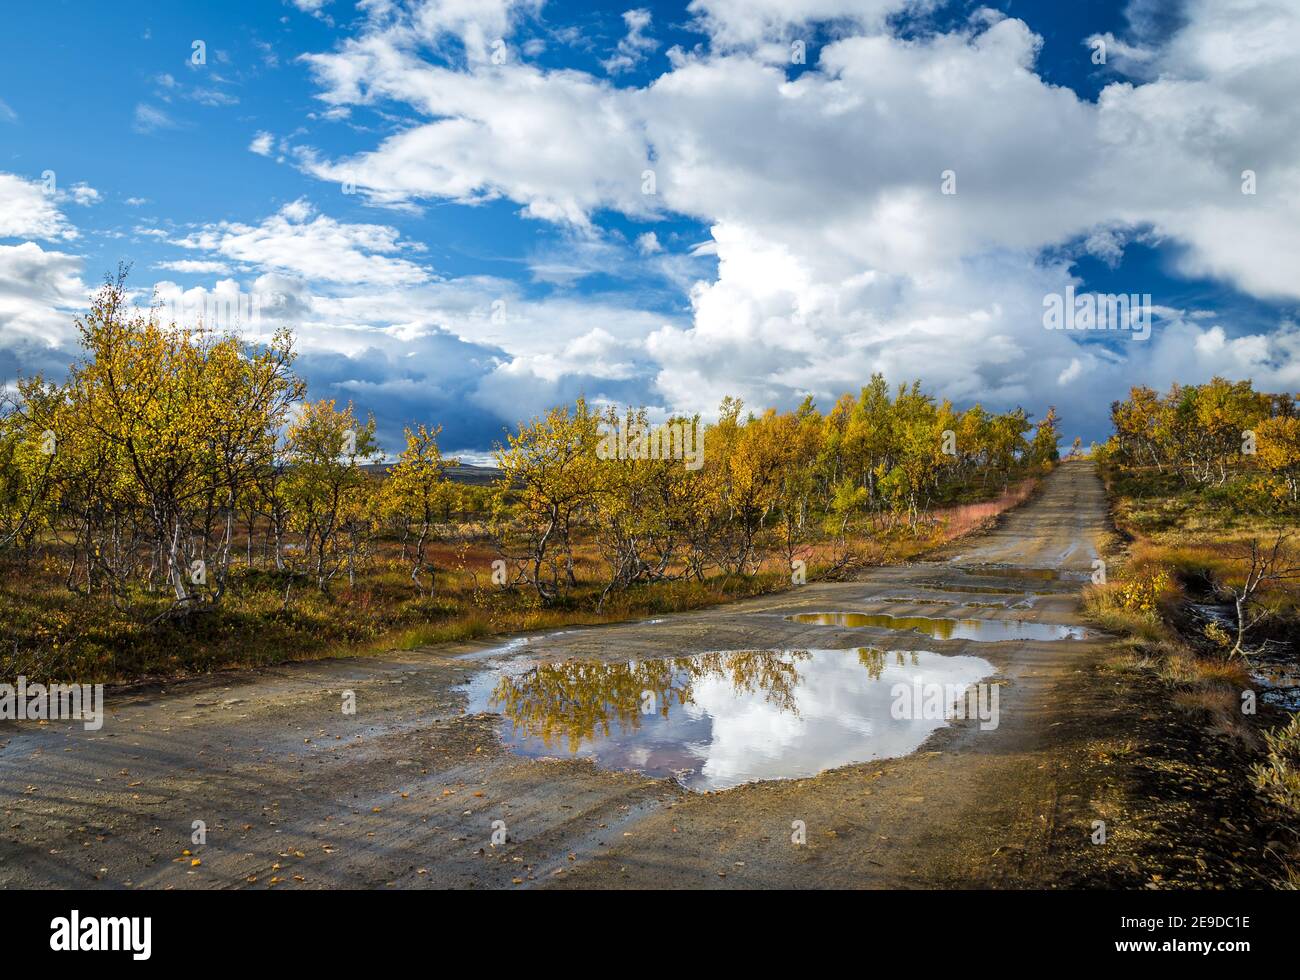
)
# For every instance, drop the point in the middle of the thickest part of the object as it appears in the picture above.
(965, 518)
(1192, 537)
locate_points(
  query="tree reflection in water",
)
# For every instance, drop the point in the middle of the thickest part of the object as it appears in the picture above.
(720, 719)
(577, 701)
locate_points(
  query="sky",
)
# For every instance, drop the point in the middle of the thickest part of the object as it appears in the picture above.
(469, 211)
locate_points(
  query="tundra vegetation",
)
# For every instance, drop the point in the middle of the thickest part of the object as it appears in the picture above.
(179, 503)
(1204, 577)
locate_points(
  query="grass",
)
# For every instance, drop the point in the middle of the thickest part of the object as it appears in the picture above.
(1172, 546)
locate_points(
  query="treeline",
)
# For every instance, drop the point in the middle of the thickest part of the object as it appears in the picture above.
(169, 458)
(765, 484)
(1210, 434)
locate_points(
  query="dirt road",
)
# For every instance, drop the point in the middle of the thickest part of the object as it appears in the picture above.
(294, 793)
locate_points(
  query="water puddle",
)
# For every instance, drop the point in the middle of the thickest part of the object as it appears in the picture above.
(1276, 674)
(988, 630)
(717, 720)
(917, 600)
(1279, 681)
(1027, 574)
(974, 589)
(928, 601)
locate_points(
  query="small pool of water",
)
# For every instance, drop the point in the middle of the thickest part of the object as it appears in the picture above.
(1026, 574)
(974, 589)
(942, 628)
(923, 600)
(1279, 682)
(1276, 674)
(717, 720)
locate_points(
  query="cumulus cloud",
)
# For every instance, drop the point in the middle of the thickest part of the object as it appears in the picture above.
(262, 143)
(83, 194)
(834, 249)
(298, 240)
(739, 23)
(29, 209)
(40, 291)
(561, 144)
(838, 251)
(472, 354)
(634, 45)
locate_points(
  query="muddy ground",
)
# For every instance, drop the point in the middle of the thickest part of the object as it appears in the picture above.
(294, 793)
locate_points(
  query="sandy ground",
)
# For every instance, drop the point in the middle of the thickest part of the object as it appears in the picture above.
(296, 794)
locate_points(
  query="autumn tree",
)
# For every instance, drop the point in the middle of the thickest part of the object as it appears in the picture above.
(1278, 449)
(415, 493)
(330, 495)
(548, 487)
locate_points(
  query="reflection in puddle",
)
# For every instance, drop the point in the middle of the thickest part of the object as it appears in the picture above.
(990, 630)
(720, 719)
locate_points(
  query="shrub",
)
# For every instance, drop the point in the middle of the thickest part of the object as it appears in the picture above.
(1278, 776)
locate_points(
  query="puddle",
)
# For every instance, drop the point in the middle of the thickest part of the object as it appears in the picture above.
(918, 600)
(1279, 681)
(717, 720)
(1276, 674)
(1027, 574)
(974, 589)
(988, 630)
(922, 600)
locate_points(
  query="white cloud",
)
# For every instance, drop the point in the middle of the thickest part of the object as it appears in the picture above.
(29, 210)
(1134, 60)
(634, 45)
(736, 23)
(39, 292)
(838, 252)
(494, 135)
(262, 143)
(83, 194)
(299, 241)
(472, 353)
(1071, 373)
(196, 266)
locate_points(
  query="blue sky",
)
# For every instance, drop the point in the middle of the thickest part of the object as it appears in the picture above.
(447, 201)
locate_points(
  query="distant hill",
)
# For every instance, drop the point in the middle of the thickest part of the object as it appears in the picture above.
(479, 476)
